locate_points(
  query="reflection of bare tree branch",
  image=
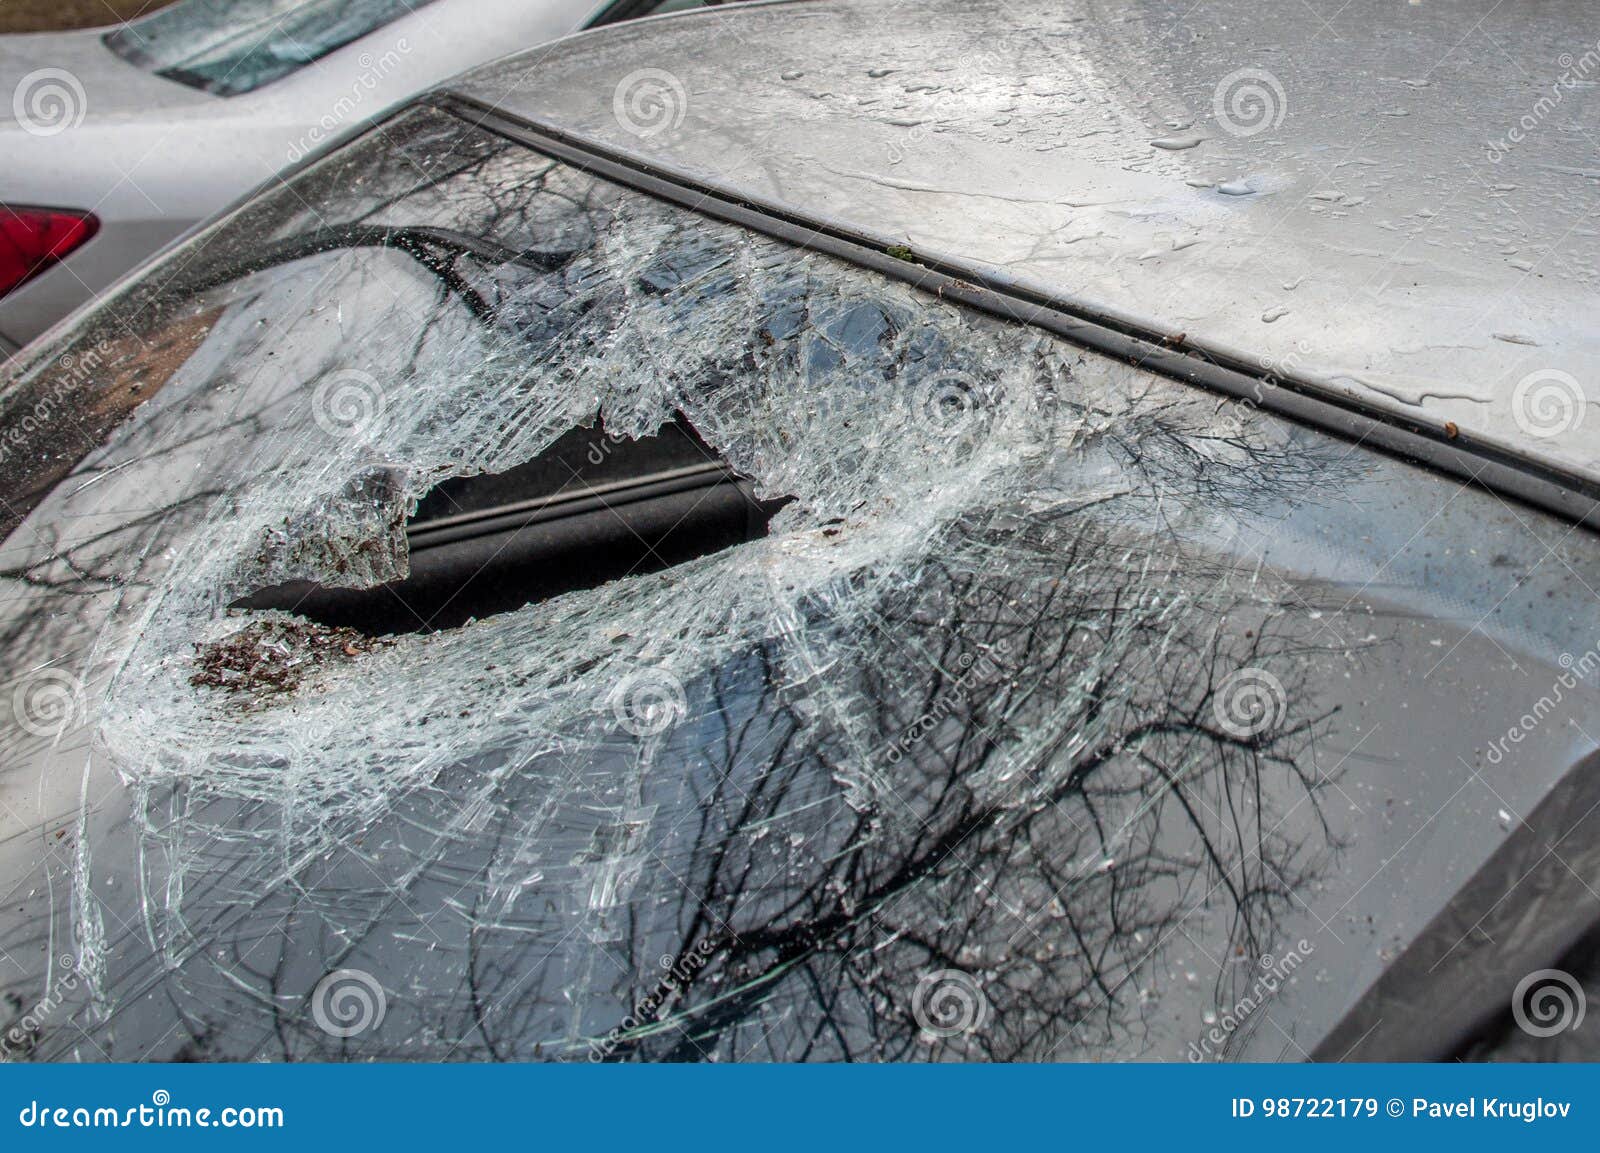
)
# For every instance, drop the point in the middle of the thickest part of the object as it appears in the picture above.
(1055, 883)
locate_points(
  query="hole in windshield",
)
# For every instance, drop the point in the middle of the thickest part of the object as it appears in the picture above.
(594, 507)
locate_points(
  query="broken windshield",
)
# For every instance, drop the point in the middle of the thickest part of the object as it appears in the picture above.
(1063, 712)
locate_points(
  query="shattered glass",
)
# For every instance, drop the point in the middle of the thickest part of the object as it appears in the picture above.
(1060, 705)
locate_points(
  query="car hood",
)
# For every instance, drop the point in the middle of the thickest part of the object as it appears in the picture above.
(59, 80)
(1388, 203)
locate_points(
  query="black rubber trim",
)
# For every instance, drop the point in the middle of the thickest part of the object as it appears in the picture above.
(576, 502)
(1441, 448)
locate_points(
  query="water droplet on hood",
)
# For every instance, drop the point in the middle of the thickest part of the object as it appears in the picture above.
(1177, 143)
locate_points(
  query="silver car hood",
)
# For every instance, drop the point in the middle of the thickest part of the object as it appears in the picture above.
(1387, 202)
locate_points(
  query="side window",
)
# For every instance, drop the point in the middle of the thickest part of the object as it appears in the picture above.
(229, 47)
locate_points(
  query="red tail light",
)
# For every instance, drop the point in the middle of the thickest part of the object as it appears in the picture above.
(32, 239)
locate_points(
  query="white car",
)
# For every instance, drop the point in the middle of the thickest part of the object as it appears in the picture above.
(117, 141)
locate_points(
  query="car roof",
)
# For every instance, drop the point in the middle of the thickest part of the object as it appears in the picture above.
(1388, 204)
